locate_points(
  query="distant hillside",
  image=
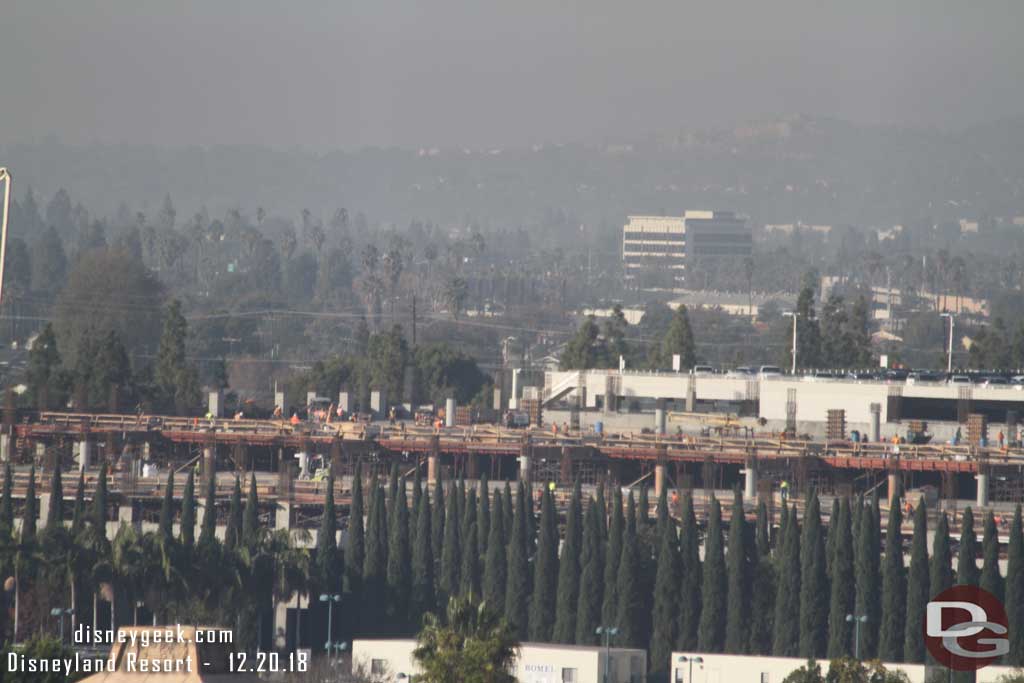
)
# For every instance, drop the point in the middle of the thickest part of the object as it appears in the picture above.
(792, 168)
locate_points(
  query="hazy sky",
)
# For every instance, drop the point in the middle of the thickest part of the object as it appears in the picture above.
(322, 74)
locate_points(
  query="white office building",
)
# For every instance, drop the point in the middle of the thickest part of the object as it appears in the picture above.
(665, 243)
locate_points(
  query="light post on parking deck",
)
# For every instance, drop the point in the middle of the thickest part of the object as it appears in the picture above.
(692, 660)
(60, 612)
(607, 632)
(949, 356)
(857, 621)
(330, 600)
(5, 177)
(794, 315)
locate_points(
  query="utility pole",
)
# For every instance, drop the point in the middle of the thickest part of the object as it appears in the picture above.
(794, 315)
(5, 176)
(949, 358)
(413, 321)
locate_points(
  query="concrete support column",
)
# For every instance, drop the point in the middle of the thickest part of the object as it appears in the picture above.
(982, 478)
(126, 514)
(659, 417)
(303, 458)
(280, 625)
(449, 412)
(343, 402)
(895, 485)
(215, 403)
(660, 472)
(691, 394)
(750, 480)
(876, 422)
(84, 454)
(208, 466)
(43, 509)
(434, 460)
(279, 403)
(40, 451)
(6, 443)
(524, 461)
(283, 516)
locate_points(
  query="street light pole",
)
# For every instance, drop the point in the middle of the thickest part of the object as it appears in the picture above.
(330, 600)
(5, 176)
(949, 357)
(794, 315)
(607, 632)
(692, 660)
(857, 621)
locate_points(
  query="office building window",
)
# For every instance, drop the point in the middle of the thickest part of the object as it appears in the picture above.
(378, 666)
(765, 677)
(569, 675)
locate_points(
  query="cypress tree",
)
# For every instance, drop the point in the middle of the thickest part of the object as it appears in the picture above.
(918, 591)
(545, 575)
(602, 521)
(460, 505)
(483, 515)
(188, 511)
(399, 572)
(468, 518)
(55, 511)
(610, 606)
(711, 637)
(355, 542)
(506, 501)
(786, 636)
(569, 572)
(894, 589)
(451, 554)
(30, 515)
(233, 532)
(762, 588)
(374, 564)
(737, 633)
(813, 584)
(99, 502)
(7, 505)
(967, 561)
(208, 530)
(517, 587)
(1015, 591)
(78, 513)
(630, 613)
(496, 558)
(588, 612)
(251, 516)
(392, 490)
(643, 516)
(325, 576)
(991, 579)
(470, 572)
(867, 578)
(690, 577)
(832, 536)
(167, 510)
(941, 575)
(842, 598)
(437, 527)
(665, 620)
(417, 491)
(423, 598)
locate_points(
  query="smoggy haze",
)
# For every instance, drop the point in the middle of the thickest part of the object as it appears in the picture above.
(344, 74)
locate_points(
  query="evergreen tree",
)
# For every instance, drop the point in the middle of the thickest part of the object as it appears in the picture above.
(588, 612)
(175, 377)
(941, 575)
(737, 633)
(545, 574)
(55, 512)
(786, 637)
(840, 632)
(678, 340)
(517, 588)
(392, 498)
(325, 575)
(867, 578)
(483, 516)
(833, 532)
(30, 514)
(894, 589)
(665, 620)
(99, 502)
(690, 577)
(437, 527)
(399, 567)
(610, 606)
(813, 584)
(468, 519)
(991, 578)
(496, 558)
(967, 561)
(208, 530)
(355, 548)
(423, 597)
(233, 532)
(569, 572)
(506, 501)
(762, 596)
(711, 637)
(375, 564)
(7, 504)
(417, 491)
(1015, 591)
(918, 588)
(630, 614)
(470, 573)
(77, 515)
(166, 529)
(251, 516)
(188, 511)
(643, 510)
(451, 555)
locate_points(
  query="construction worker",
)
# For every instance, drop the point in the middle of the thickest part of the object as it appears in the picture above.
(277, 413)
(295, 419)
(784, 490)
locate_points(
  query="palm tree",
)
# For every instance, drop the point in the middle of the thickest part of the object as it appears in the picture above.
(472, 643)
(128, 565)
